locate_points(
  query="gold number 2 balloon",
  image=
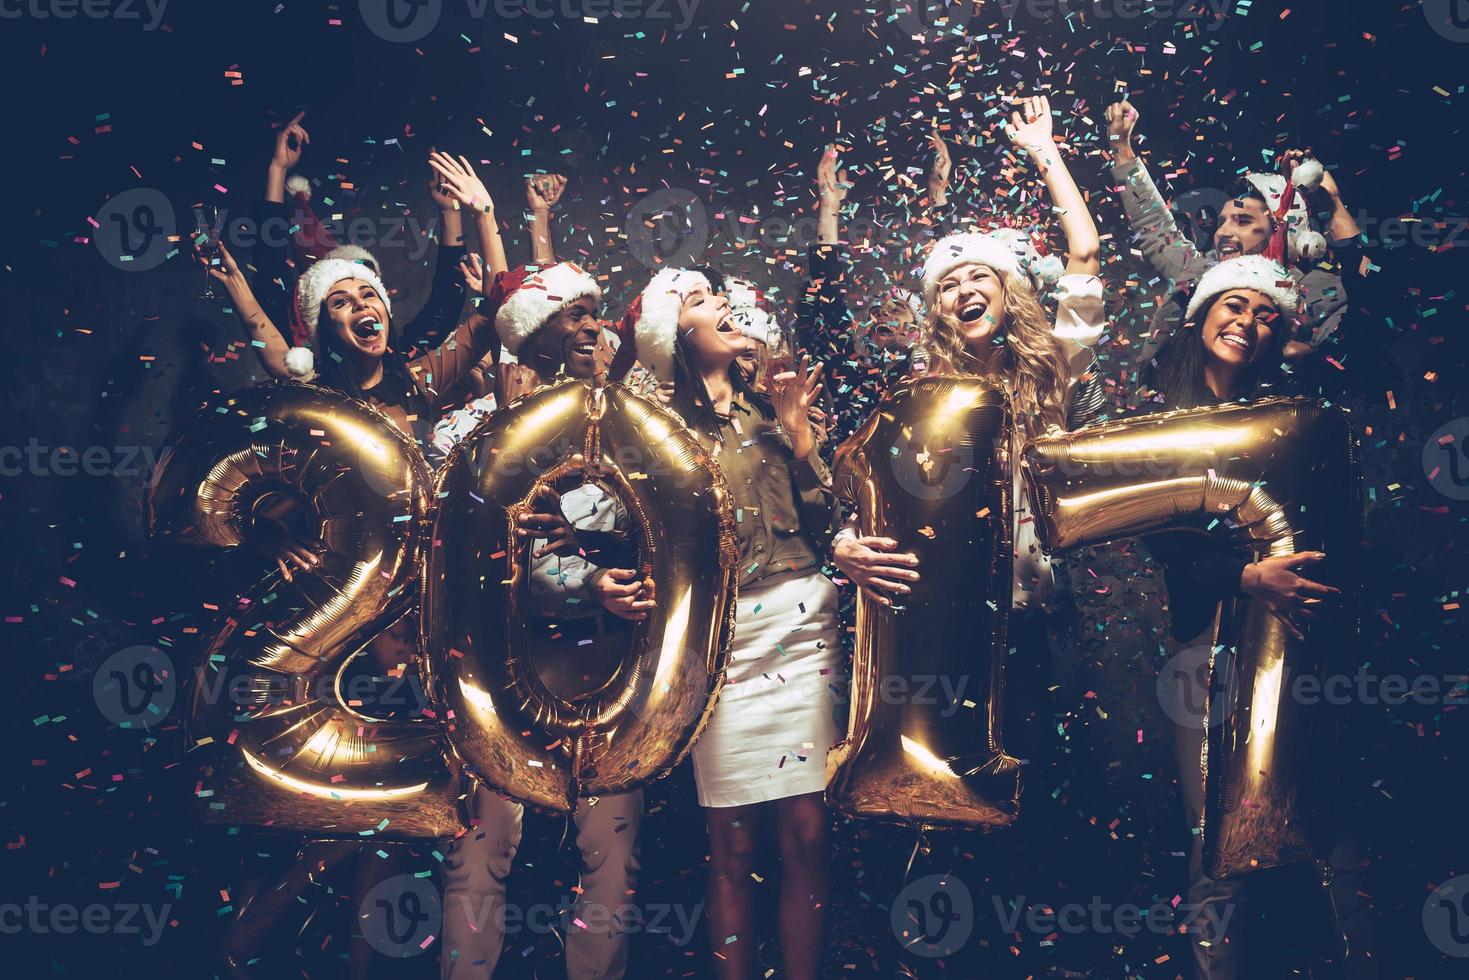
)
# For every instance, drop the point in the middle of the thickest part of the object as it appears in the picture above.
(931, 469)
(516, 734)
(274, 741)
(1278, 476)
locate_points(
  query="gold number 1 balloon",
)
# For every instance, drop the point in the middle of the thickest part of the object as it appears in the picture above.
(1278, 476)
(931, 469)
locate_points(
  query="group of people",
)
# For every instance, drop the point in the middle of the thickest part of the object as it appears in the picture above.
(1235, 321)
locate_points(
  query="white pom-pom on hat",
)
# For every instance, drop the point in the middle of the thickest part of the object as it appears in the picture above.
(296, 184)
(1308, 174)
(301, 363)
(1308, 246)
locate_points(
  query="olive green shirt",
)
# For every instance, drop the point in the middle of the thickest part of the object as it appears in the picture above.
(784, 507)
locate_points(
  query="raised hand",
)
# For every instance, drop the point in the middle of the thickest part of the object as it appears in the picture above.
(794, 393)
(289, 143)
(225, 270)
(542, 191)
(1121, 120)
(472, 268)
(876, 567)
(1030, 125)
(938, 177)
(461, 184)
(831, 185)
(1291, 159)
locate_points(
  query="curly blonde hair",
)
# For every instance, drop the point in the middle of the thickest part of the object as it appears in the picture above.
(1031, 363)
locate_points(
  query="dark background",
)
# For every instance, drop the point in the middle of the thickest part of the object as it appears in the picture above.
(735, 111)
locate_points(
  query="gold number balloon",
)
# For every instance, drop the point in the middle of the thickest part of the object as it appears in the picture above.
(517, 734)
(931, 469)
(1279, 476)
(275, 742)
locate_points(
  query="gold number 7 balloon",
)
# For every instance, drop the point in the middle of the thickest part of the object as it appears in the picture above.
(274, 741)
(1279, 476)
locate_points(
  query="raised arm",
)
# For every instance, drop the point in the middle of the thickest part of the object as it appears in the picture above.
(475, 337)
(938, 174)
(542, 191)
(446, 293)
(267, 342)
(273, 277)
(823, 323)
(1170, 251)
(1031, 129)
(290, 142)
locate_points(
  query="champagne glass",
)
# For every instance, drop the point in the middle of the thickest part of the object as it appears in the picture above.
(206, 221)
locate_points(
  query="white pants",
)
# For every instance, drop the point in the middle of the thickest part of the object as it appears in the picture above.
(478, 864)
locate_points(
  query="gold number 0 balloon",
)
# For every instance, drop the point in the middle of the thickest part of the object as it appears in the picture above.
(931, 469)
(1279, 476)
(517, 735)
(275, 743)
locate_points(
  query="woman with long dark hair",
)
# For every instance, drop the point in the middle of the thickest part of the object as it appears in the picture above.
(1231, 348)
(763, 752)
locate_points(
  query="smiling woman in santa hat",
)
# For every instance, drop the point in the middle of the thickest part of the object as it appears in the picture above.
(763, 752)
(1230, 348)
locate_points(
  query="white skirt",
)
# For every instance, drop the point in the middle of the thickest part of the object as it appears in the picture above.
(783, 704)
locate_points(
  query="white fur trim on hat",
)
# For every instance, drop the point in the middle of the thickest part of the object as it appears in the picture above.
(354, 253)
(301, 363)
(296, 184)
(657, 327)
(1247, 272)
(317, 281)
(1008, 251)
(541, 296)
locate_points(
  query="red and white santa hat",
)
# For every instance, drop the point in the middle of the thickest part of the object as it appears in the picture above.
(1257, 272)
(523, 299)
(649, 328)
(312, 288)
(1294, 239)
(1009, 251)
